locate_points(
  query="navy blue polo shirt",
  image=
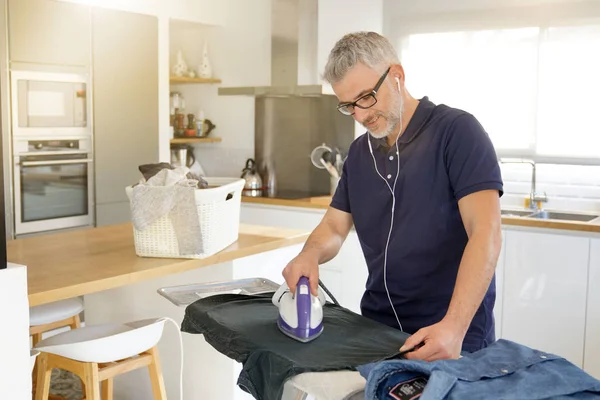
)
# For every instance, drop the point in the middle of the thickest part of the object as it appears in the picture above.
(444, 155)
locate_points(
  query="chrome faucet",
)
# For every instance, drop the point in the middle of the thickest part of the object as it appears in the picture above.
(534, 197)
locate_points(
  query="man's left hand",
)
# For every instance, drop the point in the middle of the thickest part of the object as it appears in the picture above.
(435, 342)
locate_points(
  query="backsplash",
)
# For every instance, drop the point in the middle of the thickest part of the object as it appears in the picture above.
(568, 187)
(217, 161)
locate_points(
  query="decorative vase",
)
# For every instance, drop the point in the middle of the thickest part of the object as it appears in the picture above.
(180, 68)
(205, 69)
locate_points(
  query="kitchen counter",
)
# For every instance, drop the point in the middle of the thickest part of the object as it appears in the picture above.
(322, 202)
(75, 263)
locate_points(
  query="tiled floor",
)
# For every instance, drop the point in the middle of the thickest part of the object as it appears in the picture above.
(66, 385)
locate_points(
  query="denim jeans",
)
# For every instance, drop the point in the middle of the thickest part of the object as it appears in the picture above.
(503, 370)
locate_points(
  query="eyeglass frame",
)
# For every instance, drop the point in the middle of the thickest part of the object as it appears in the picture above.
(372, 93)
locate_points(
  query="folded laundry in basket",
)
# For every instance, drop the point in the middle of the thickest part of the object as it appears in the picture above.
(170, 193)
(244, 328)
(149, 170)
(503, 370)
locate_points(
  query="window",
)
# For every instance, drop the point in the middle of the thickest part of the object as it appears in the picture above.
(535, 90)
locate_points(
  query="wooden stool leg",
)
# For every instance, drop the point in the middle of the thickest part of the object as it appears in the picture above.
(107, 389)
(158, 385)
(75, 322)
(36, 338)
(43, 377)
(90, 379)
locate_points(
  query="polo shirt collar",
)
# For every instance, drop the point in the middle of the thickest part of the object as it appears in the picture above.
(421, 115)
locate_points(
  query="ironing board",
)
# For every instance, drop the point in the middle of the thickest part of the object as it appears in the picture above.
(333, 385)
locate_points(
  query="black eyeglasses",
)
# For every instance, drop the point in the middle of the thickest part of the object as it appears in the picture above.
(364, 102)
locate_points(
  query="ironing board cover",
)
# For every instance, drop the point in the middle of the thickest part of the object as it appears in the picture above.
(244, 328)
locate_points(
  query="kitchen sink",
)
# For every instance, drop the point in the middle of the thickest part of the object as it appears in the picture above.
(563, 216)
(516, 213)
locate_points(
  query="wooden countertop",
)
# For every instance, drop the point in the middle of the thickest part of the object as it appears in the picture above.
(70, 264)
(322, 202)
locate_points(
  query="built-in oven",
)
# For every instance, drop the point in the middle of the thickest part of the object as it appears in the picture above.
(53, 184)
(49, 104)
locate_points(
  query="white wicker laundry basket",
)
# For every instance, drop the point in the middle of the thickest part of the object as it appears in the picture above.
(219, 215)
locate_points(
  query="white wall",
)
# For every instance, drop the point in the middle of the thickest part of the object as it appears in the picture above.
(15, 371)
(240, 53)
(338, 17)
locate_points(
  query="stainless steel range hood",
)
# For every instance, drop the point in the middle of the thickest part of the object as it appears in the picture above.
(293, 53)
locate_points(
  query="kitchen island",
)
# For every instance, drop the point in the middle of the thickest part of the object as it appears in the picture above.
(101, 265)
(76, 263)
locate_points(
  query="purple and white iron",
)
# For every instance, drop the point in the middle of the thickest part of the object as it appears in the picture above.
(300, 315)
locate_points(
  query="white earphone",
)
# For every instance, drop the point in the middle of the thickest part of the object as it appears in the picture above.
(392, 191)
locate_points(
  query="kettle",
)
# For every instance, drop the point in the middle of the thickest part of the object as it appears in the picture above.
(253, 185)
(182, 156)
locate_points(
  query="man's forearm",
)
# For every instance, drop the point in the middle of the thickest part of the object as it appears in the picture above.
(474, 276)
(324, 243)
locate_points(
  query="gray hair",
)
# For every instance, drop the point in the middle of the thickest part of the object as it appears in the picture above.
(368, 48)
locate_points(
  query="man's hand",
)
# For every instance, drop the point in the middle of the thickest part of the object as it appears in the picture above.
(302, 265)
(437, 342)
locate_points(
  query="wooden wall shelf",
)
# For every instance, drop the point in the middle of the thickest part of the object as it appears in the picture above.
(192, 140)
(185, 79)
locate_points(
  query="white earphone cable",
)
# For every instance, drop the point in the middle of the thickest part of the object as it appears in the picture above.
(392, 191)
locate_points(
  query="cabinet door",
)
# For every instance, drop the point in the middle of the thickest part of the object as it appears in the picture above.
(545, 283)
(125, 106)
(49, 32)
(285, 217)
(354, 272)
(500, 288)
(591, 361)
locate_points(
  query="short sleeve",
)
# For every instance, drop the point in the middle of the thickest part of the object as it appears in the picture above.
(341, 198)
(471, 159)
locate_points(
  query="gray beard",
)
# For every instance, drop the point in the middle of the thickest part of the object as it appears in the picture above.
(393, 118)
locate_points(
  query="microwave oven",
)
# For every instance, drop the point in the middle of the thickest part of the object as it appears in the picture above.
(49, 104)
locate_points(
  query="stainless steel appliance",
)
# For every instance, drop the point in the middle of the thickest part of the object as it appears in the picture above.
(53, 184)
(49, 104)
(254, 183)
(287, 129)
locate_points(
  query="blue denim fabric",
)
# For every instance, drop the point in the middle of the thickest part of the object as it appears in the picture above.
(503, 370)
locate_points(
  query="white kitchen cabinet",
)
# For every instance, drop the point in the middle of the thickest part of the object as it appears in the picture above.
(591, 360)
(500, 288)
(545, 289)
(49, 32)
(125, 63)
(354, 270)
(284, 217)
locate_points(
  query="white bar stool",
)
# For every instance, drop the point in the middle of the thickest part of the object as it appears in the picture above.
(98, 353)
(51, 316)
(58, 314)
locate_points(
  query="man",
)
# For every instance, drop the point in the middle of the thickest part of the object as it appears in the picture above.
(422, 190)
